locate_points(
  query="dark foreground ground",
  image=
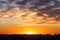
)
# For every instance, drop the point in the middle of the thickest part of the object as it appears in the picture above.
(30, 37)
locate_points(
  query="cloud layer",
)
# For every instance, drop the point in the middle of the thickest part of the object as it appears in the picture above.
(30, 12)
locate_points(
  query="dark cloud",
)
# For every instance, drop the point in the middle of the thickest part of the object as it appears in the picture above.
(50, 7)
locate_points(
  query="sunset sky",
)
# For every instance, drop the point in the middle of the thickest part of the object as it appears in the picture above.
(29, 16)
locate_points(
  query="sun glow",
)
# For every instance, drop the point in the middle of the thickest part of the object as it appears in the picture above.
(30, 32)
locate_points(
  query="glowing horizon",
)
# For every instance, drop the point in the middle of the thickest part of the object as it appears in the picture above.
(36, 29)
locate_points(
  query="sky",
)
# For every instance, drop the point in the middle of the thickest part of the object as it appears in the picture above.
(21, 16)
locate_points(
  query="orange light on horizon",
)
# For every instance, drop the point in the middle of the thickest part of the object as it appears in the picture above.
(30, 32)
